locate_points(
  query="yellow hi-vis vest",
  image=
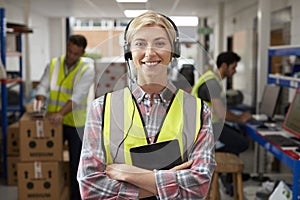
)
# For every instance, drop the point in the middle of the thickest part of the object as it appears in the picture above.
(61, 89)
(123, 126)
(204, 78)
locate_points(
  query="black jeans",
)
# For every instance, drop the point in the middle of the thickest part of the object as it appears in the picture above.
(234, 141)
(74, 142)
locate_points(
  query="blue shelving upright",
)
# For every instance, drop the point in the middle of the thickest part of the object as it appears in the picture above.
(3, 91)
(5, 107)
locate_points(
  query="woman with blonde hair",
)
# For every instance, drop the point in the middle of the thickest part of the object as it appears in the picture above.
(149, 140)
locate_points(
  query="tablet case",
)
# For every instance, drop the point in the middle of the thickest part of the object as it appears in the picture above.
(162, 155)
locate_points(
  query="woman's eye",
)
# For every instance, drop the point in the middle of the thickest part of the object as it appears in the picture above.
(140, 44)
(160, 44)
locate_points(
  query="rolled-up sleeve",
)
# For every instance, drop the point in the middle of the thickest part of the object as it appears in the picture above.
(44, 85)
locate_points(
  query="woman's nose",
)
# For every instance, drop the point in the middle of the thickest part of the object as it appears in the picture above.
(150, 50)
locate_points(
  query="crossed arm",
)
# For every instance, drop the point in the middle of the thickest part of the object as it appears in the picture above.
(142, 178)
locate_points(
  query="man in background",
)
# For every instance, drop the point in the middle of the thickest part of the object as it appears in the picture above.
(209, 87)
(67, 80)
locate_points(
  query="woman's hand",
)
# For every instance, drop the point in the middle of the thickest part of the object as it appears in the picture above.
(120, 171)
(142, 178)
(185, 165)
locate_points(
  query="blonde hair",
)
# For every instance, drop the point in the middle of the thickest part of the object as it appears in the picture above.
(151, 18)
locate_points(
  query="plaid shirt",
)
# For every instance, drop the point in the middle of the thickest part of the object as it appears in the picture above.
(182, 184)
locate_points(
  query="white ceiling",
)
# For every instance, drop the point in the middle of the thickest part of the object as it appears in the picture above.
(112, 9)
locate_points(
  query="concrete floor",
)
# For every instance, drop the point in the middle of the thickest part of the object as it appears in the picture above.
(250, 186)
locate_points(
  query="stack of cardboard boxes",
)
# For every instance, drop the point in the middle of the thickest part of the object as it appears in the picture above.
(13, 153)
(41, 170)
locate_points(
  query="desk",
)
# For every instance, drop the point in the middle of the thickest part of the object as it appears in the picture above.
(289, 160)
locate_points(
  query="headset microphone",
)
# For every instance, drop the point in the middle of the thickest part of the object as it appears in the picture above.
(127, 52)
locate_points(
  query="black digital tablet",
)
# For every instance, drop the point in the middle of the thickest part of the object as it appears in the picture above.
(161, 155)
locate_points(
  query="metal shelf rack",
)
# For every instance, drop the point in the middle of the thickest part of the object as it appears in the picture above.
(279, 79)
(17, 30)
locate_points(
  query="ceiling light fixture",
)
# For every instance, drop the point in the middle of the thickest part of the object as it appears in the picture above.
(133, 13)
(185, 20)
(131, 1)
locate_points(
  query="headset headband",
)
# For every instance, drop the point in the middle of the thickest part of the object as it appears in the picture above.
(175, 54)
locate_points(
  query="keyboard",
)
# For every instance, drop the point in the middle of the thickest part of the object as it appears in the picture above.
(282, 141)
(260, 117)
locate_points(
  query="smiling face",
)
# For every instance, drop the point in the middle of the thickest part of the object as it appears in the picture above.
(151, 53)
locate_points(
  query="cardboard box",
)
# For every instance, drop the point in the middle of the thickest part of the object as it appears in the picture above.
(40, 140)
(65, 194)
(12, 175)
(66, 171)
(13, 140)
(40, 180)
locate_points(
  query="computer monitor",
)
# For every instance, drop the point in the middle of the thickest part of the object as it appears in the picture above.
(269, 100)
(292, 119)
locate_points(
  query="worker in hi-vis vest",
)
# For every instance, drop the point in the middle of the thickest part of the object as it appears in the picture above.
(148, 140)
(209, 87)
(65, 86)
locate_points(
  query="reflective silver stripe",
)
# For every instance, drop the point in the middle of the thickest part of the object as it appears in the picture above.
(117, 126)
(58, 103)
(54, 77)
(66, 90)
(189, 124)
(78, 73)
(62, 89)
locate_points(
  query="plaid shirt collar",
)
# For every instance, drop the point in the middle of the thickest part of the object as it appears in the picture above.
(164, 96)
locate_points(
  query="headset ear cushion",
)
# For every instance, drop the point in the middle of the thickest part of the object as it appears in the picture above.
(176, 53)
(127, 52)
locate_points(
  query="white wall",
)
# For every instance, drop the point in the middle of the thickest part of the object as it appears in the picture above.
(14, 14)
(38, 40)
(57, 36)
(45, 41)
(39, 46)
(238, 23)
(295, 26)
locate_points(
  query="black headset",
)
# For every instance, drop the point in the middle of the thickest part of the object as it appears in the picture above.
(176, 44)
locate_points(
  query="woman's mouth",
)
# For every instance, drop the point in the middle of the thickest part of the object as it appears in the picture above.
(151, 63)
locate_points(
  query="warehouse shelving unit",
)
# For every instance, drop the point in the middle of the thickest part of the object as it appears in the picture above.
(289, 80)
(14, 79)
(280, 79)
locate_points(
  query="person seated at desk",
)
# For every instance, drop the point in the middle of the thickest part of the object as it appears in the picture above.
(209, 87)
